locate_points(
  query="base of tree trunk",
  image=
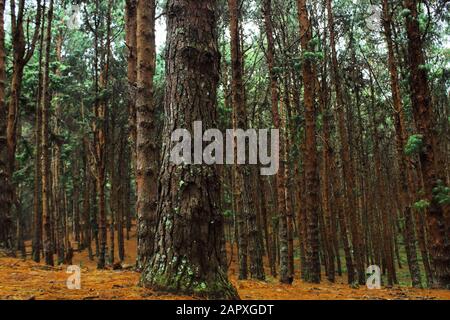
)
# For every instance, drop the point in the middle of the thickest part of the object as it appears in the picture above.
(183, 280)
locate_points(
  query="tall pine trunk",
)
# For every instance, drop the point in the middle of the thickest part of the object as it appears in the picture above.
(347, 163)
(5, 188)
(45, 162)
(311, 164)
(247, 230)
(188, 244)
(405, 176)
(438, 242)
(285, 276)
(147, 150)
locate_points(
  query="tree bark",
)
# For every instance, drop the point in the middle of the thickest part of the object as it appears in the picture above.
(285, 277)
(248, 232)
(347, 163)
(405, 178)
(147, 151)
(45, 163)
(5, 180)
(438, 241)
(311, 172)
(188, 243)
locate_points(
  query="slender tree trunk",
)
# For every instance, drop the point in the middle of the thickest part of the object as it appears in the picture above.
(327, 155)
(99, 127)
(381, 195)
(248, 232)
(285, 277)
(147, 145)
(5, 181)
(130, 38)
(57, 174)
(404, 172)
(37, 192)
(45, 106)
(312, 179)
(122, 194)
(21, 54)
(87, 208)
(347, 163)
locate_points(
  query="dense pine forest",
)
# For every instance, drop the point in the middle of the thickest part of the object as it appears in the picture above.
(92, 90)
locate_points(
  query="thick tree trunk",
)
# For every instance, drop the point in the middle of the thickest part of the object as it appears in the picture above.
(438, 241)
(188, 243)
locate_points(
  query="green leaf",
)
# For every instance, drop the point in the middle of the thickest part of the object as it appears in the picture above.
(414, 144)
(421, 205)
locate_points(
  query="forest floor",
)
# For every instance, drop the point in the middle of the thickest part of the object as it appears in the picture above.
(27, 280)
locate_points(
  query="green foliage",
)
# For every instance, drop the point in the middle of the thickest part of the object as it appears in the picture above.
(228, 213)
(427, 67)
(312, 56)
(405, 13)
(314, 42)
(421, 205)
(414, 144)
(442, 193)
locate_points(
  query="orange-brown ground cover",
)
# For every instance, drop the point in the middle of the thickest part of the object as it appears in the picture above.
(28, 280)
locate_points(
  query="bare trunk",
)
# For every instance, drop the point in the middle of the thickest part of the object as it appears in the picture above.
(147, 144)
(285, 277)
(438, 241)
(188, 244)
(45, 167)
(311, 173)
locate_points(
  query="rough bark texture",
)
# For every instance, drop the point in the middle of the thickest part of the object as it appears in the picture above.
(311, 173)
(327, 155)
(380, 195)
(400, 135)
(45, 163)
(438, 241)
(147, 144)
(100, 131)
(22, 52)
(5, 189)
(130, 39)
(347, 163)
(285, 277)
(188, 244)
(242, 191)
